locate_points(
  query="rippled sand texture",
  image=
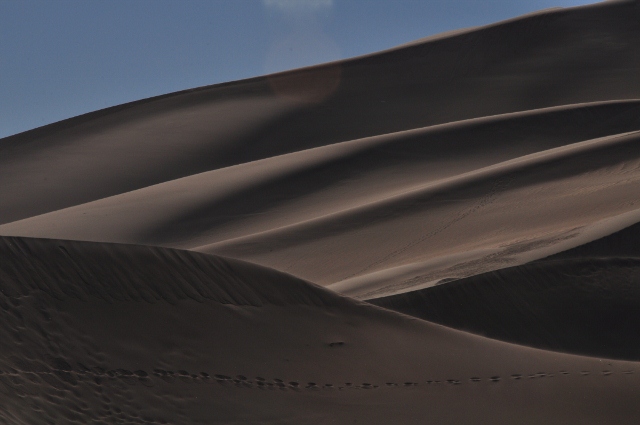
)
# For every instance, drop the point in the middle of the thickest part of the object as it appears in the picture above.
(445, 232)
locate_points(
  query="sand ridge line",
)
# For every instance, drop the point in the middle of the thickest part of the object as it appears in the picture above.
(313, 156)
(372, 212)
(500, 184)
(473, 267)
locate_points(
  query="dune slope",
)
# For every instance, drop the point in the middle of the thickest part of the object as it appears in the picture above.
(107, 333)
(582, 300)
(585, 305)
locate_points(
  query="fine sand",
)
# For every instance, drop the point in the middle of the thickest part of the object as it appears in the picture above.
(102, 333)
(444, 232)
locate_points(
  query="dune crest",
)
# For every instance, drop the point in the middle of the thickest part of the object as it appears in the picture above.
(81, 270)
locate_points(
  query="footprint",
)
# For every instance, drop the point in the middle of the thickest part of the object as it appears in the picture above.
(475, 379)
(165, 375)
(295, 386)
(222, 377)
(516, 376)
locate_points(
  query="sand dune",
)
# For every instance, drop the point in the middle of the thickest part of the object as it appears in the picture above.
(102, 331)
(412, 190)
(234, 253)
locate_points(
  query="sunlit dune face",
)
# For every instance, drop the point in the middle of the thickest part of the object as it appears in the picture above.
(309, 85)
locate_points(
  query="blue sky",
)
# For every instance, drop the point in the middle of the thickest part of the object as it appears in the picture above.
(62, 58)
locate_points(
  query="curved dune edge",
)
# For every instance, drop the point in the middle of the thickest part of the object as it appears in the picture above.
(586, 305)
(467, 211)
(234, 342)
(582, 299)
(355, 192)
(606, 238)
(112, 273)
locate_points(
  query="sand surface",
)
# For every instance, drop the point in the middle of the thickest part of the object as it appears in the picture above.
(444, 232)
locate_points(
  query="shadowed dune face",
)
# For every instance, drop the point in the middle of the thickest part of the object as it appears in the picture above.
(587, 306)
(110, 274)
(484, 180)
(103, 333)
(581, 300)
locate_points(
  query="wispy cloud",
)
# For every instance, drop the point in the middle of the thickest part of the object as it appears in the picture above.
(298, 5)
